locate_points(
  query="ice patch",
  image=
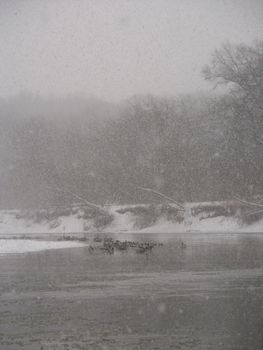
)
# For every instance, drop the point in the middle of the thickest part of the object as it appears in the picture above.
(18, 246)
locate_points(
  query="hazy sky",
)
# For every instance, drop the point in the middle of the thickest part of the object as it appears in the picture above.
(115, 48)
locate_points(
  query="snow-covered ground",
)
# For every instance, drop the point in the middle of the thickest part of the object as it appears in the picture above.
(124, 223)
(125, 219)
(14, 246)
(218, 224)
(9, 223)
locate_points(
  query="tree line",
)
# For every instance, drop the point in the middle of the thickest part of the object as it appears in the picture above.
(196, 147)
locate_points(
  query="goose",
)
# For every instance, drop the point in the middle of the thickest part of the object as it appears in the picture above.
(91, 249)
(183, 245)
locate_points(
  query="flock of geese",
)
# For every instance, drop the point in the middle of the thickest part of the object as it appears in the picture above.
(109, 246)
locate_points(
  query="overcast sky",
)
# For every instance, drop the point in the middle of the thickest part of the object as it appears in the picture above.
(116, 48)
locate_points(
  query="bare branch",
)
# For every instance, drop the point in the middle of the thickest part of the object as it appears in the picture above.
(162, 195)
(249, 203)
(76, 196)
(254, 212)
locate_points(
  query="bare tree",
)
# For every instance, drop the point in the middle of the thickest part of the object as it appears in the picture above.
(241, 67)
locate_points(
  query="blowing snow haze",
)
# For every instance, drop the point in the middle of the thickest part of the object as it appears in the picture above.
(131, 174)
(115, 49)
(100, 97)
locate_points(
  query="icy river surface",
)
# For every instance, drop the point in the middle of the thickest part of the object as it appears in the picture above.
(206, 293)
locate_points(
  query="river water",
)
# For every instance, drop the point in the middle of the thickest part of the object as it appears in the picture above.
(206, 295)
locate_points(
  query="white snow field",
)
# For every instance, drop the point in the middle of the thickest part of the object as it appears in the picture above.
(15, 246)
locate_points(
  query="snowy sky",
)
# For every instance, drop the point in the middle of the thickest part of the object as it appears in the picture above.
(115, 48)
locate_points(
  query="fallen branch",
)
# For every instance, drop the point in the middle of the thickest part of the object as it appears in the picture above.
(182, 208)
(253, 212)
(249, 203)
(90, 204)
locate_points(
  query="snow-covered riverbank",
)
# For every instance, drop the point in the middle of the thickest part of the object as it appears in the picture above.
(198, 217)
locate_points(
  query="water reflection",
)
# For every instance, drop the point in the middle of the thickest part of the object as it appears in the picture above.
(207, 296)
